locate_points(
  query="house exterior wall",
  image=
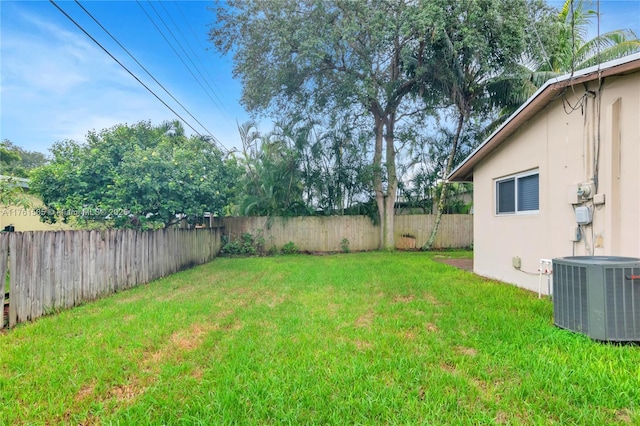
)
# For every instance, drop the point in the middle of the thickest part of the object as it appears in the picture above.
(27, 219)
(561, 142)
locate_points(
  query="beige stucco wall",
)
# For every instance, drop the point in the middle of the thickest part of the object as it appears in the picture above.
(26, 219)
(562, 146)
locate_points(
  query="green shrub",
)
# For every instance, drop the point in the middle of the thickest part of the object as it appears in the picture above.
(247, 243)
(244, 246)
(289, 248)
(344, 245)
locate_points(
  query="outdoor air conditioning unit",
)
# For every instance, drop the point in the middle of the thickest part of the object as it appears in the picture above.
(598, 296)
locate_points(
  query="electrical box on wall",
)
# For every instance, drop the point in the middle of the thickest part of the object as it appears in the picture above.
(583, 215)
(572, 195)
(516, 262)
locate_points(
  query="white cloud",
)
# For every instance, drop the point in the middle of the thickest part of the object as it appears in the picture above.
(58, 85)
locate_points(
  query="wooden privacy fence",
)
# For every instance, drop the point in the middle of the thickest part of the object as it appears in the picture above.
(55, 270)
(455, 231)
(326, 233)
(309, 233)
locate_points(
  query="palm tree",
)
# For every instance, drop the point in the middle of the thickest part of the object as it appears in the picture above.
(565, 49)
(271, 184)
(574, 52)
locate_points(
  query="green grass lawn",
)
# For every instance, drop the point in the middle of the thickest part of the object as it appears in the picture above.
(366, 338)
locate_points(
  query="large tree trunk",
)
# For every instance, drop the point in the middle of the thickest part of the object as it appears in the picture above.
(377, 176)
(388, 243)
(445, 184)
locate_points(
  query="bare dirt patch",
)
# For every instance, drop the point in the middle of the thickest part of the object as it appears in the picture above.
(116, 396)
(190, 339)
(333, 309)
(482, 386)
(362, 345)
(233, 326)
(623, 416)
(464, 264)
(90, 420)
(125, 392)
(197, 373)
(403, 299)
(365, 321)
(431, 299)
(421, 393)
(448, 367)
(431, 328)
(466, 351)
(184, 340)
(502, 418)
(409, 334)
(85, 391)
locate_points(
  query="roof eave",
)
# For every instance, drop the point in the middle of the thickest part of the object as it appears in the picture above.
(543, 96)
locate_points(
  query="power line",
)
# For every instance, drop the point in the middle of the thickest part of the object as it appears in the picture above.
(123, 66)
(148, 72)
(173, 48)
(195, 55)
(196, 37)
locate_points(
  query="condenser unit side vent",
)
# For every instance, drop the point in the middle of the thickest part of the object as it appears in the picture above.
(570, 291)
(622, 296)
(598, 296)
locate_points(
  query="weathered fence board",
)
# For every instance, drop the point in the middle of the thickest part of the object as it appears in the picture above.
(325, 234)
(4, 266)
(56, 270)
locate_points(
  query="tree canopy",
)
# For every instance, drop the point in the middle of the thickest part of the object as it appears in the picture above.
(15, 164)
(18, 162)
(376, 59)
(137, 175)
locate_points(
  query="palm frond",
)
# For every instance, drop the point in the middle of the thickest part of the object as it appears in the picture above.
(614, 52)
(604, 42)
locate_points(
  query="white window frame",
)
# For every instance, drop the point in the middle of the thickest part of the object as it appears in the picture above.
(515, 177)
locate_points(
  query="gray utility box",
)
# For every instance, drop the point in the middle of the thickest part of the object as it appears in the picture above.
(598, 296)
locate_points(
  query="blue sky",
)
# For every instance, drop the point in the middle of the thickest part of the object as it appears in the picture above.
(56, 84)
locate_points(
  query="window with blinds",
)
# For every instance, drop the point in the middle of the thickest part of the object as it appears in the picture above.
(518, 194)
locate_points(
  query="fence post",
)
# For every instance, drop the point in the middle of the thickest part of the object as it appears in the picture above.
(4, 263)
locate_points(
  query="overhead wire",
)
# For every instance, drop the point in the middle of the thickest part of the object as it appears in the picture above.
(196, 37)
(173, 48)
(123, 66)
(544, 51)
(578, 106)
(148, 72)
(596, 166)
(573, 39)
(197, 58)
